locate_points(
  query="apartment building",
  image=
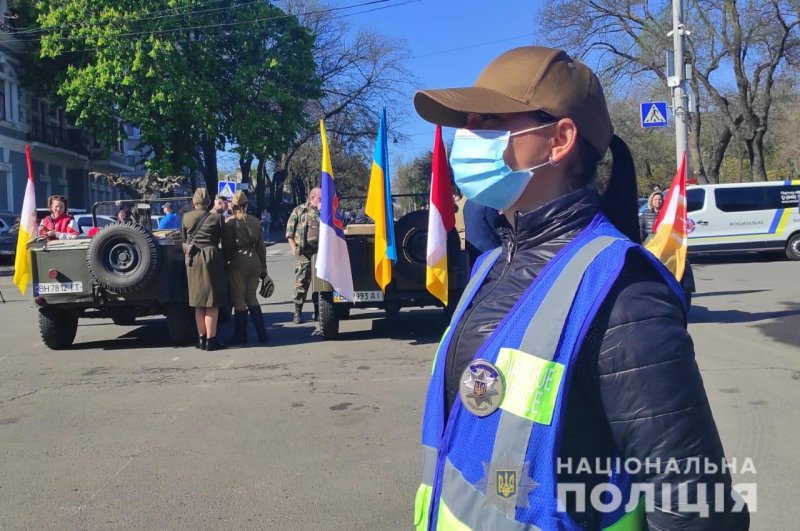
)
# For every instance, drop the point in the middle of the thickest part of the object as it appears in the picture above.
(63, 155)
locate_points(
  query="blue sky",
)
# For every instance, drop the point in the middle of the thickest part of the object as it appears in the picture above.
(450, 42)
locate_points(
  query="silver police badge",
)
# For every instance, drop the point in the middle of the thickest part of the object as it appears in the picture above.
(481, 388)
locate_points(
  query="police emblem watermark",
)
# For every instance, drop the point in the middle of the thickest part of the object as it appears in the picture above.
(506, 485)
(481, 388)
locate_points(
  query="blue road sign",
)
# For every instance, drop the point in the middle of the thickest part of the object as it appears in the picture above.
(654, 114)
(226, 189)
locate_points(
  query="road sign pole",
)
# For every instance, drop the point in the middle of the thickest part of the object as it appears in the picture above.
(678, 88)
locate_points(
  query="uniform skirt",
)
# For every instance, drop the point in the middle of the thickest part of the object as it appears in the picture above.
(207, 281)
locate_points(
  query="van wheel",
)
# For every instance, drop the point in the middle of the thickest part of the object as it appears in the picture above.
(328, 316)
(793, 247)
(57, 327)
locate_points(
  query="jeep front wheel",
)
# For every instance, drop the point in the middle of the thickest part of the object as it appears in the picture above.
(328, 316)
(57, 327)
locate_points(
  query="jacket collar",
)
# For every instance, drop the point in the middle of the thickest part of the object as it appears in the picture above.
(564, 215)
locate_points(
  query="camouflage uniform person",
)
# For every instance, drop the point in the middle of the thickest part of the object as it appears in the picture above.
(247, 263)
(302, 232)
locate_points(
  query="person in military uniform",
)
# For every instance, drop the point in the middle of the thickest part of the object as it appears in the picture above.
(247, 263)
(206, 274)
(302, 232)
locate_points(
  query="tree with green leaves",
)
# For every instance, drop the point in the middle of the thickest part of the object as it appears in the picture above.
(185, 73)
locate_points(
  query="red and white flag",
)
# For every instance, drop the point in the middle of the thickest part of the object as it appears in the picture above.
(670, 238)
(23, 270)
(441, 220)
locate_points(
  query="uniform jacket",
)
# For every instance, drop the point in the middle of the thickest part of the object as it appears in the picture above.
(303, 228)
(246, 239)
(63, 225)
(613, 409)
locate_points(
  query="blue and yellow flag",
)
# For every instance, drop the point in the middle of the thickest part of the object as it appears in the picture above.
(379, 208)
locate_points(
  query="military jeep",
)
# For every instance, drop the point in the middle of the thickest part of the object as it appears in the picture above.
(125, 271)
(407, 288)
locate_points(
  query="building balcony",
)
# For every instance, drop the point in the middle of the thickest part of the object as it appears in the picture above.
(69, 139)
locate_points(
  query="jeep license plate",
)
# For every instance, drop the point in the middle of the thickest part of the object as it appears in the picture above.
(360, 296)
(52, 288)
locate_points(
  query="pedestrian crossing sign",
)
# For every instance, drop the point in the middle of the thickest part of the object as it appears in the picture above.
(654, 114)
(226, 189)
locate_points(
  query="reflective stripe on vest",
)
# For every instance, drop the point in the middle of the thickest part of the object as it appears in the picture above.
(534, 348)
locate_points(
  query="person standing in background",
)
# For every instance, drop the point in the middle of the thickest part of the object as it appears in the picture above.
(266, 222)
(247, 264)
(170, 219)
(302, 233)
(479, 225)
(206, 274)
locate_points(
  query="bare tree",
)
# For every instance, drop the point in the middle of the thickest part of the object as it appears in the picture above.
(361, 73)
(747, 40)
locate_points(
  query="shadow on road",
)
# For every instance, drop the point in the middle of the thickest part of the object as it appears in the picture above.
(701, 314)
(721, 293)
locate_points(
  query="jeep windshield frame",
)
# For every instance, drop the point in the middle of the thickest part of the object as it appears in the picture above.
(139, 204)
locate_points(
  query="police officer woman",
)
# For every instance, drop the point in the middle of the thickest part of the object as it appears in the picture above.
(206, 274)
(247, 263)
(569, 344)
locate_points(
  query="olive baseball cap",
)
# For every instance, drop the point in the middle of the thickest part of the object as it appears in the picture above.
(526, 79)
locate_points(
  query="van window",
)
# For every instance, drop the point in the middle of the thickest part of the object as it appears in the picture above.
(785, 196)
(695, 199)
(740, 199)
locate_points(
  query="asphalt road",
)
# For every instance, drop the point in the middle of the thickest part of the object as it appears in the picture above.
(125, 431)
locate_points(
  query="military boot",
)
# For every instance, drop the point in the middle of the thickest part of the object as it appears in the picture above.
(213, 344)
(298, 313)
(239, 328)
(201, 342)
(258, 321)
(316, 310)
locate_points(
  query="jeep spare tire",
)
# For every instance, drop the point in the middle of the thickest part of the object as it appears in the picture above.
(123, 257)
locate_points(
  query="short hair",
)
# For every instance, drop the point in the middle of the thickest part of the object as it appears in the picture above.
(56, 198)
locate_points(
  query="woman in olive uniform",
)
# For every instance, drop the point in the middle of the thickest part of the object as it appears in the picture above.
(247, 263)
(206, 275)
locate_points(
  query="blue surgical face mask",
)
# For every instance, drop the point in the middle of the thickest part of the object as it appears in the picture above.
(480, 171)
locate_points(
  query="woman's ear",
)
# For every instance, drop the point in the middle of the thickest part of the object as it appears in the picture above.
(563, 141)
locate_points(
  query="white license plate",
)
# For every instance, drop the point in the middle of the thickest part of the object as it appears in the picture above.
(360, 296)
(51, 288)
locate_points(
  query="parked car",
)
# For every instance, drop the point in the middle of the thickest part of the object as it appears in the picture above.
(8, 243)
(744, 217)
(125, 271)
(407, 288)
(84, 222)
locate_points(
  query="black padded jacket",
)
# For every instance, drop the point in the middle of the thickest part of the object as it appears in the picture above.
(636, 391)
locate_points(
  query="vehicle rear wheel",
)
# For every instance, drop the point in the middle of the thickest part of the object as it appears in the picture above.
(793, 247)
(328, 316)
(180, 324)
(57, 327)
(124, 317)
(123, 257)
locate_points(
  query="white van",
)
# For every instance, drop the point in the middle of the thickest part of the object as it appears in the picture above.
(760, 216)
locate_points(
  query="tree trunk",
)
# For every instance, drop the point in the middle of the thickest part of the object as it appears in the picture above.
(261, 183)
(695, 156)
(245, 163)
(718, 155)
(210, 166)
(758, 167)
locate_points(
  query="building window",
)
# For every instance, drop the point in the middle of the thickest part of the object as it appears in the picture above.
(2, 99)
